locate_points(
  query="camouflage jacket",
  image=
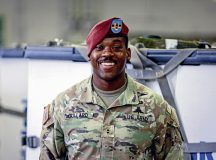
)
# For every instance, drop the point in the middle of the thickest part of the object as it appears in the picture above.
(138, 125)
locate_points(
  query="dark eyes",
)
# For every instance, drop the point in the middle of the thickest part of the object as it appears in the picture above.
(99, 47)
(117, 48)
(114, 48)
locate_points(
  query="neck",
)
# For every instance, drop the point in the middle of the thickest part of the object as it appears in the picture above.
(109, 85)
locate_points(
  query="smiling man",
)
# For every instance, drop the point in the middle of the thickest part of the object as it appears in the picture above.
(110, 116)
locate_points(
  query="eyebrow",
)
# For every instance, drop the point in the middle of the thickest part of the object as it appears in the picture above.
(117, 40)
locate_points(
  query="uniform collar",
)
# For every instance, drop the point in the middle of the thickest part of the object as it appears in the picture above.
(129, 96)
(88, 95)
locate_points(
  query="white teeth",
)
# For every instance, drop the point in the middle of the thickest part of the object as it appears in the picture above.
(108, 63)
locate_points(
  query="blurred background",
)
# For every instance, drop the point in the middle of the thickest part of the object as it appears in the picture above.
(31, 21)
(39, 21)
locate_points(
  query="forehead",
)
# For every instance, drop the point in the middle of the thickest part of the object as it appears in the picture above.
(113, 40)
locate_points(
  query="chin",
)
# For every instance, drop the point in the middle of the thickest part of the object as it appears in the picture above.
(109, 77)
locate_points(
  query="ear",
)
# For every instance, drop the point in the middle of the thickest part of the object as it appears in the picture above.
(128, 53)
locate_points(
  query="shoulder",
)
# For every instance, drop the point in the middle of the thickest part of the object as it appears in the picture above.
(73, 91)
(70, 94)
(153, 102)
(151, 99)
(139, 87)
(144, 91)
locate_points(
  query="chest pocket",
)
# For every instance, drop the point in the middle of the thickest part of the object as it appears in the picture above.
(135, 127)
(81, 125)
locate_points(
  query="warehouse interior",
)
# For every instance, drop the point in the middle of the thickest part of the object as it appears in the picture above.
(37, 22)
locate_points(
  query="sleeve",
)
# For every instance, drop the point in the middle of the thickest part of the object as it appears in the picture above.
(168, 140)
(51, 138)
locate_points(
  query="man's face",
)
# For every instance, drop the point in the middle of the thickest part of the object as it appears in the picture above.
(109, 58)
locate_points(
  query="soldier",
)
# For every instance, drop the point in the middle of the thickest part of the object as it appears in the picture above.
(110, 116)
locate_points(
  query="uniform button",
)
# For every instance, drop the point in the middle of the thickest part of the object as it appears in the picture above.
(108, 131)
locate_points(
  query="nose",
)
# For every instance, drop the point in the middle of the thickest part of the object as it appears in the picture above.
(107, 51)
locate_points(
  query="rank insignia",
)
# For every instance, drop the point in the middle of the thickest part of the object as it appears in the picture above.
(116, 26)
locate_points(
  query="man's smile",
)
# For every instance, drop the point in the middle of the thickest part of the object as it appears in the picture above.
(106, 63)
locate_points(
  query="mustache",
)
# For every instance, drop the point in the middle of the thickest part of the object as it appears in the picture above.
(106, 59)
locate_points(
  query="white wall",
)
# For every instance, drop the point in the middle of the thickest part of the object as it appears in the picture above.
(13, 90)
(48, 77)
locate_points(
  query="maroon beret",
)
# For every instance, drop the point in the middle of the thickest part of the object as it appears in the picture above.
(113, 27)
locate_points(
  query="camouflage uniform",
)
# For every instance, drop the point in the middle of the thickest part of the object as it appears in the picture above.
(138, 125)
